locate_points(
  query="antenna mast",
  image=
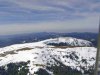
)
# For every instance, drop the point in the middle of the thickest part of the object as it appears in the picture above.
(97, 64)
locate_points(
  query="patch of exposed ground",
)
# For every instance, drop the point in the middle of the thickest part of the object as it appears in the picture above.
(24, 49)
(13, 52)
(6, 53)
(64, 47)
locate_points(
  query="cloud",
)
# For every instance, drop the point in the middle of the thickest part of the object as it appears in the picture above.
(50, 8)
(30, 14)
(83, 25)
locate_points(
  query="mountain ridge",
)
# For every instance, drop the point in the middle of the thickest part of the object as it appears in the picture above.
(35, 37)
(41, 56)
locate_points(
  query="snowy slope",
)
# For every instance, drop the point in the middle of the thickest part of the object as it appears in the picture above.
(40, 55)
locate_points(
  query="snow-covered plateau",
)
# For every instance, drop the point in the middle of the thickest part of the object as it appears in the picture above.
(78, 55)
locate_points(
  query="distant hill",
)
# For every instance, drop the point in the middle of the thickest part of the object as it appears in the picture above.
(34, 37)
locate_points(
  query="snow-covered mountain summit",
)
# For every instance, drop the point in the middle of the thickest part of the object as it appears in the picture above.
(42, 56)
(69, 41)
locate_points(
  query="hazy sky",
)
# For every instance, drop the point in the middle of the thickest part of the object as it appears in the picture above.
(24, 16)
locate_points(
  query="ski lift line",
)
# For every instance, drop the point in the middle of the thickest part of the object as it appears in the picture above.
(97, 64)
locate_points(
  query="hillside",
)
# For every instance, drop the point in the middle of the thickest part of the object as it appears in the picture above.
(43, 59)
